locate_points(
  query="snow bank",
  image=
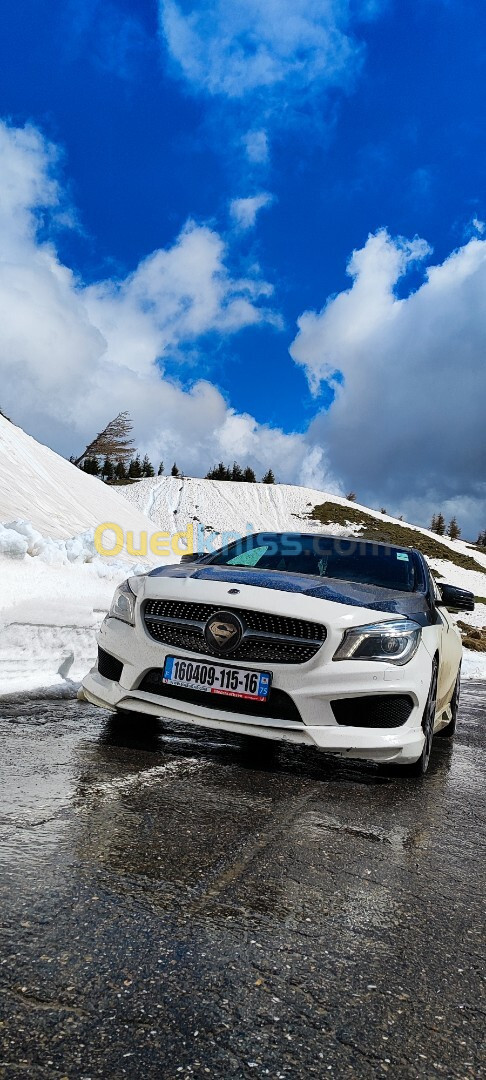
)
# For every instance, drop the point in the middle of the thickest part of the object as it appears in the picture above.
(54, 595)
(49, 614)
(55, 589)
(39, 486)
(473, 665)
(19, 538)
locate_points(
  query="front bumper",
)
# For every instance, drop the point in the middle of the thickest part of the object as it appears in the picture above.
(311, 686)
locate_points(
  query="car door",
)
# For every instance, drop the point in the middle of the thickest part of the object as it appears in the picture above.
(450, 651)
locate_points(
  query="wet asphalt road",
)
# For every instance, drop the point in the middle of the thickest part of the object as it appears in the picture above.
(173, 907)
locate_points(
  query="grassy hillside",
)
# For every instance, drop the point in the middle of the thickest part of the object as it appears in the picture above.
(388, 532)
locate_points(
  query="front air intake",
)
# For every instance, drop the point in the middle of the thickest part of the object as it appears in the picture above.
(108, 666)
(374, 711)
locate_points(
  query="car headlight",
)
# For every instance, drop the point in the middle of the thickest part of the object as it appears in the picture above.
(123, 604)
(395, 641)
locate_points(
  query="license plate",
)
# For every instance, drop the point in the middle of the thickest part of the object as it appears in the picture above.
(217, 678)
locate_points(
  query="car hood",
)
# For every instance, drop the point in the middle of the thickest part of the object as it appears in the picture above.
(372, 597)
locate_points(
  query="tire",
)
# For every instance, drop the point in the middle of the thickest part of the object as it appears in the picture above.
(419, 768)
(449, 730)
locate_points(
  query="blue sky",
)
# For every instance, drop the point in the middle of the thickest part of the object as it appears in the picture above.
(344, 119)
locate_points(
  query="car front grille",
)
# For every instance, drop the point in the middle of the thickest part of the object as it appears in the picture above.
(375, 711)
(267, 638)
(278, 706)
(109, 666)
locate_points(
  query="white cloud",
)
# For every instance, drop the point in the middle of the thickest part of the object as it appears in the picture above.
(72, 356)
(256, 146)
(407, 422)
(237, 48)
(244, 211)
(327, 339)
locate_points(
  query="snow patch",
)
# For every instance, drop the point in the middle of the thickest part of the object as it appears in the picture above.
(473, 665)
(51, 607)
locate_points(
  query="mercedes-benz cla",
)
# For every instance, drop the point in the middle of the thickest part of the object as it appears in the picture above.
(343, 644)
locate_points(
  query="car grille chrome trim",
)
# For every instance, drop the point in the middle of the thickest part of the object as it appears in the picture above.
(266, 636)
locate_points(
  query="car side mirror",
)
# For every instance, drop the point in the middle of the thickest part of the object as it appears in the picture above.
(456, 599)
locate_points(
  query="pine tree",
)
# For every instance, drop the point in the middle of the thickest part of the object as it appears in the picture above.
(453, 529)
(107, 470)
(113, 441)
(440, 525)
(351, 496)
(236, 472)
(268, 478)
(249, 476)
(90, 465)
(219, 472)
(160, 470)
(135, 468)
(174, 470)
(120, 471)
(147, 467)
(433, 523)
(481, 540)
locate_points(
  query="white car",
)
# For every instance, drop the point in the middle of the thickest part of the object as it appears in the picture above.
(344, 644)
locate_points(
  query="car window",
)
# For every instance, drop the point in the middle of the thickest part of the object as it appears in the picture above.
(248, 558)
(325, 557)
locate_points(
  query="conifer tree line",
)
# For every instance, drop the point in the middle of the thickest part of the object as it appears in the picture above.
(247, 476)
(438, 525)
(112, 456)
(120, 472)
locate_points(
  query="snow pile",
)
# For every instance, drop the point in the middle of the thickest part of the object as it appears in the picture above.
(39, 486)
(50, 611)
(54, 596)
(55, 588)
(19, 538)
(473, 665)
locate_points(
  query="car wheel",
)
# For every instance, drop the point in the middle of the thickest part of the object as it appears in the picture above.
(419, 768)
(449, 730)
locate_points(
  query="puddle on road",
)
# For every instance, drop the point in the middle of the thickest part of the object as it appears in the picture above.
(60, 757)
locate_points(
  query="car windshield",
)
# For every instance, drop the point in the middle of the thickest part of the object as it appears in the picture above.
(325, 557)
